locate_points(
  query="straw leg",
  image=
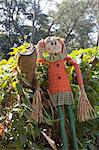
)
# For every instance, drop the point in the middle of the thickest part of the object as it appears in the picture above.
(62, 126)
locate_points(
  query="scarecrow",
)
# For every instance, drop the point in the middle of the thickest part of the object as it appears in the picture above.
(59, 85)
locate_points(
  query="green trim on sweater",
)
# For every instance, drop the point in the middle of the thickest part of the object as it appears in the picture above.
(55, 57)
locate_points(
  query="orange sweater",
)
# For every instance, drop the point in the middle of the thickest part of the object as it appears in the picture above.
(58, 78)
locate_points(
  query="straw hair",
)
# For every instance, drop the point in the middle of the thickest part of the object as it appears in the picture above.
(40, 48)
(62, 41)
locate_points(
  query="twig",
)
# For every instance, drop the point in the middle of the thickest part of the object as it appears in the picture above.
(50, 141)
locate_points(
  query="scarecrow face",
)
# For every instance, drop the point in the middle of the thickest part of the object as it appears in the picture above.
(53, 45)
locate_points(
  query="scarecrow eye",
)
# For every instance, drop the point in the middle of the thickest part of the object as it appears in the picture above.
(51, 43)
(55, 43)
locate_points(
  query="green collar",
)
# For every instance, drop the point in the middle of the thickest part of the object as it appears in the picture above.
(55, 57)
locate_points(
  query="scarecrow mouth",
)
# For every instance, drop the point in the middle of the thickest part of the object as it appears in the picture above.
(55, 54)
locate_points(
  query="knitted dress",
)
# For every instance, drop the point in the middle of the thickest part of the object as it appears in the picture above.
(58, 79)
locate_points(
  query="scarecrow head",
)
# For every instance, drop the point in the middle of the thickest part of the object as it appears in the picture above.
(51, 45)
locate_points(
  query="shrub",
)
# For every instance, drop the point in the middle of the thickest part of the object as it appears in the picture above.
(20, 131)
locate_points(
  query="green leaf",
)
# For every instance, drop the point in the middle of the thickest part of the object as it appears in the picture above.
(19, 87)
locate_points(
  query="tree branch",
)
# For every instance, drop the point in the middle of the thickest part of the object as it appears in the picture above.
(76, 20)
(49, 30)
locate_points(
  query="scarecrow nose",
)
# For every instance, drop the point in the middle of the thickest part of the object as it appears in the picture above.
(54, 47)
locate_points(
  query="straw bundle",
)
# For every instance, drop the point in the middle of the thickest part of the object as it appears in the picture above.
(37, 113)
(85, 111)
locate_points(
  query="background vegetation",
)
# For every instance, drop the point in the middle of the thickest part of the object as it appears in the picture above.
(76, 21)
(20, 131)
(25, 20)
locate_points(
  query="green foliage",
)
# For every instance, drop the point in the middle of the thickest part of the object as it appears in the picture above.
(89, 63)
(75, 21)
(42, 71)
(8, 72)
(88, 60)
(25, 20)
(22, 132)
(21, 21)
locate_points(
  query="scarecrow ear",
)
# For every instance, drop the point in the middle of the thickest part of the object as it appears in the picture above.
(40, 47)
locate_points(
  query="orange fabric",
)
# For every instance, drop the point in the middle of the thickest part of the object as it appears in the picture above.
(41, 60)
(58, 78)
(77, 69)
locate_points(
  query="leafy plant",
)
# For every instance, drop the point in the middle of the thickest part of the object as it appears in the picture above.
(88, 60)
(20, 131)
